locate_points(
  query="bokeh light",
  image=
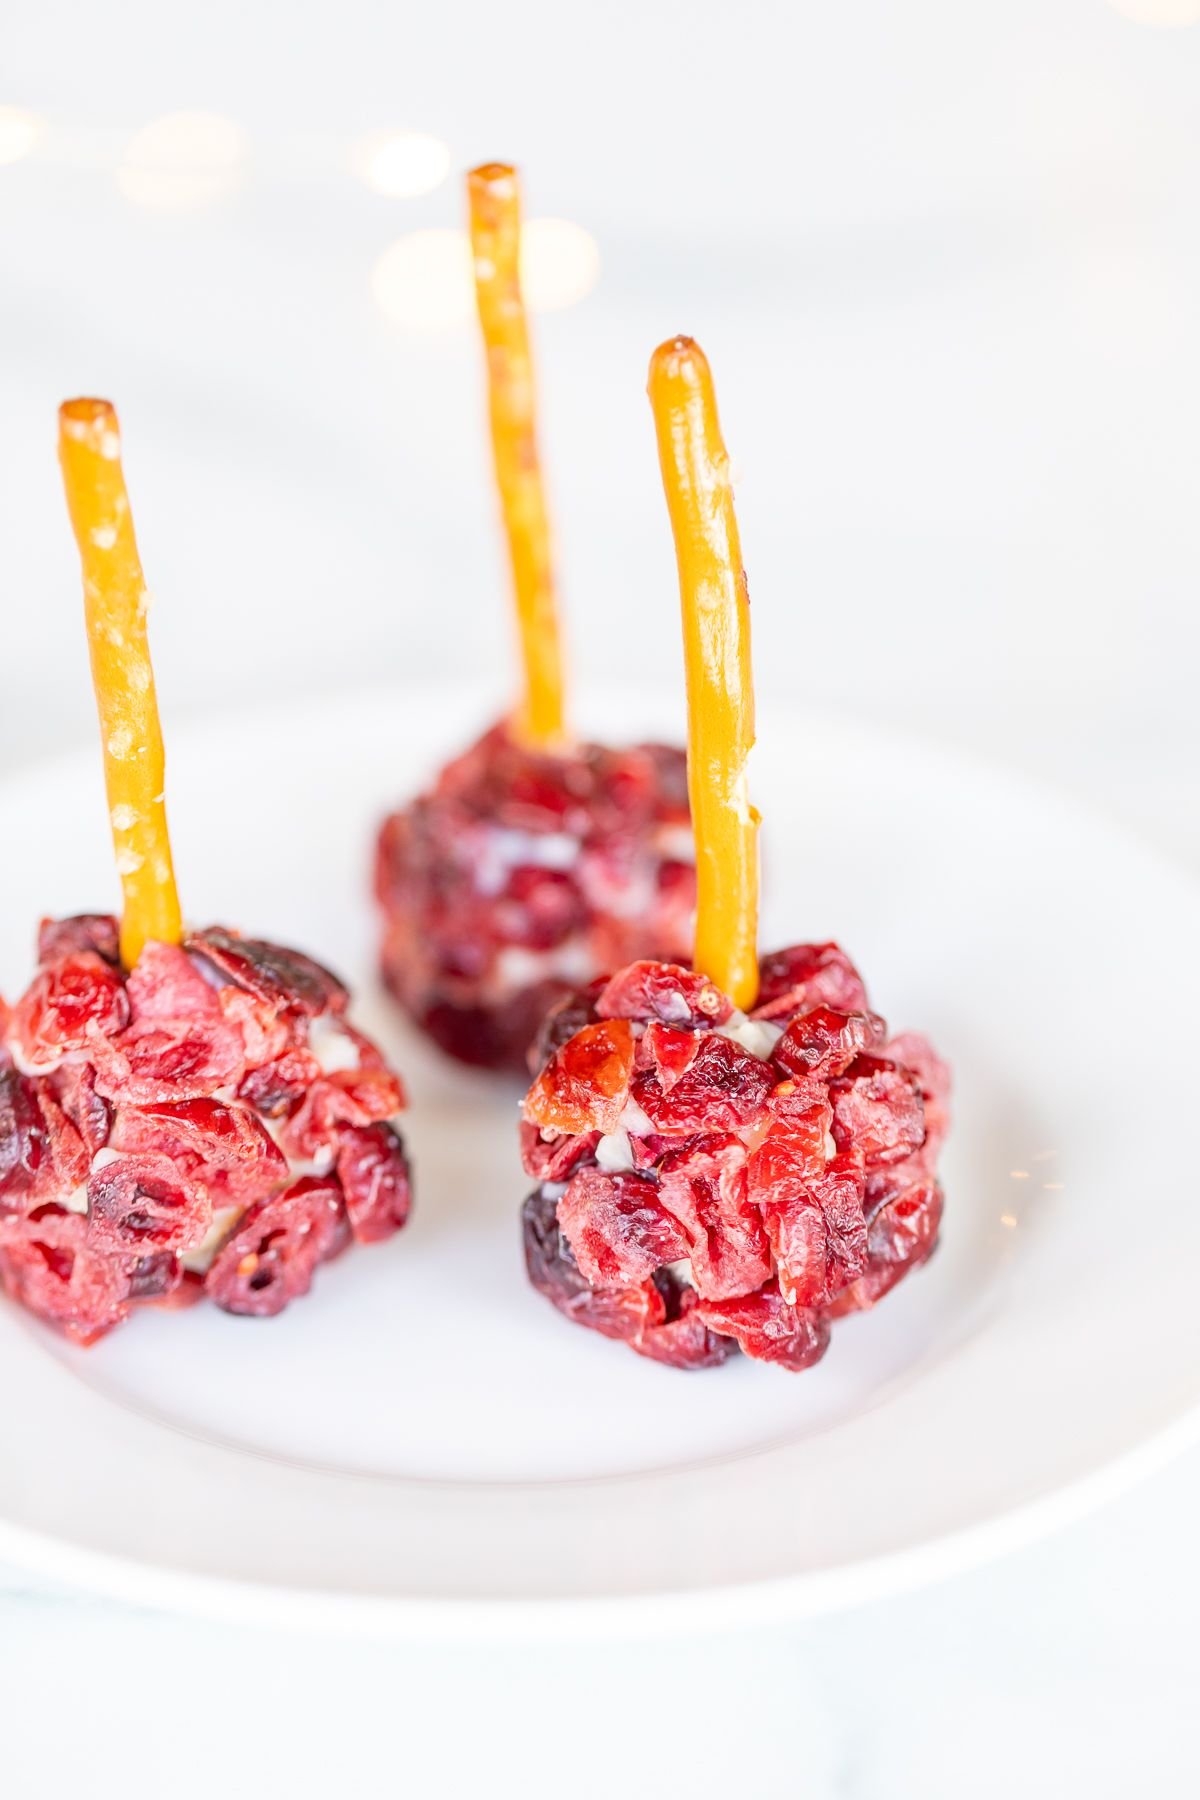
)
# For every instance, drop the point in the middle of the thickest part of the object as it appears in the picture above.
(183, 160)
(1158, 12)
(19, 132)
(423, 282)
(400, 164)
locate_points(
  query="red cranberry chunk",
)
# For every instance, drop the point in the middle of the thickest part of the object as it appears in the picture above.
(223, 1150)
(552, 1155)
(560, 1023)
(704, 1186)
(823, 1043)
(74, 1088)
(902, 1233)
(618, 1228)
(877, 1109)
(48, 1266)
(285, 978)
(724, 1088)
(174, 1060)
(137, 1204)
(615, 1312)
(165, 985)
(683, 1340)
(273, 1252)
(154, 1277)
(818, 1234)
(373, 1171)
(22, 1138)
(807, 975)
(668, 1052)
(66, 1007)
(664, 991)
(349, 1097)
(790, 1157)
(769, 1329)
(97, 932)
(585, 1085)
(275, 1089)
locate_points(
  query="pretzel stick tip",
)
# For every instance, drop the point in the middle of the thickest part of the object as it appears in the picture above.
(114, 593)
(716, 639)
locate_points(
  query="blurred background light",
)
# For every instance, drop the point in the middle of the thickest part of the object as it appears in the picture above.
(400, 164)
(19, 132)
(1158, 12)
(423, 282)
(183, 160)
(560, 263)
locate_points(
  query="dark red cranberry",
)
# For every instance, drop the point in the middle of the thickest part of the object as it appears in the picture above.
(877, 1110)
(806, 975)
(139, 1204)
(769, 1329)
(285, 978)
(704, 1186)
(618, 1228)
(22, 1138)
(665, 991)
(273, 1252)
(615, 1312)
(66, 1007)
(97, 932)
(561, 1021)
(373, 1170)
(723, 1088)
(823, 1043)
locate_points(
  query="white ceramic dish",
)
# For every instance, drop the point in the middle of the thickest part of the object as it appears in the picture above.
(425, 1445)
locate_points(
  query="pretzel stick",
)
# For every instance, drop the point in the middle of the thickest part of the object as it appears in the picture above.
(495, 209)
(114, 595)
(716, 642)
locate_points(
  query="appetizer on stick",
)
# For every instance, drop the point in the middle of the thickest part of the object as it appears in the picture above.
(182, 1113)
(534, 861)
(733, 1153)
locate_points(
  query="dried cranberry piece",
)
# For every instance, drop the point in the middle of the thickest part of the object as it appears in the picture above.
(561, 1022)
(704, 1187)
(373, 1170)
(683, 1340)
(902, 1233)
(347, 1097)
(916, 1054)
(769, 1329)
(22, 1138)
(277, 1088)
(552, 1155)
(97, 932)
(807, 975)
(48, 1266)
(877, 1110)
(137, 1204)
(791, 1156)
(664, 991)
(823, 1043)
(171, 1061)
(222, 1150)
(668, 1052)
(68, 1004)
(585, 1085)
(273, 1252)
(615, 1312)
(165, 986)
(618, 1228)
(154, 1277)
(74, 1088)
(285, 978)
(724, 1088)
(818, 1233)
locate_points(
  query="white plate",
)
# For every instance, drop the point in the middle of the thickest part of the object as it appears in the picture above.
(425, 1444)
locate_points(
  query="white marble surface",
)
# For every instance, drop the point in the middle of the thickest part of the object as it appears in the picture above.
(947, 261)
